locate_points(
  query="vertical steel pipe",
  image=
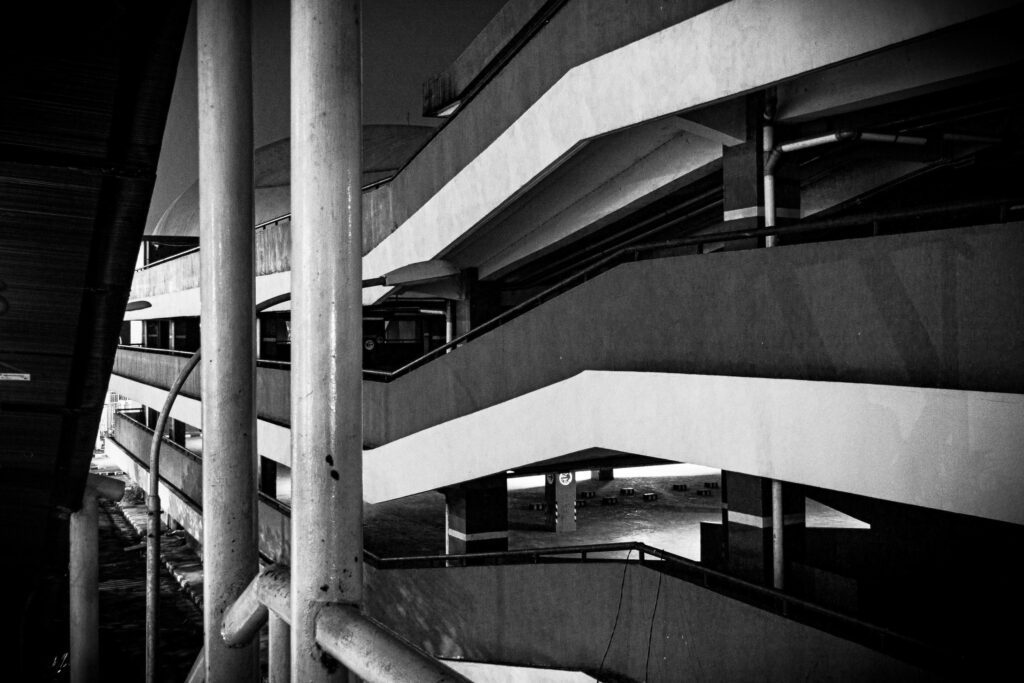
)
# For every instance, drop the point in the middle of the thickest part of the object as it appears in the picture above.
(279, 650)
(769, 184)
(778, 528)
(84, 592)
(326, 380)
(449, 322)
(227, 296)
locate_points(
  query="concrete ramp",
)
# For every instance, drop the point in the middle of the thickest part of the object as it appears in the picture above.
(950, 450)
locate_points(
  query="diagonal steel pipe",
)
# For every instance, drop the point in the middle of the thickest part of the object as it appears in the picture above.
(359, 643)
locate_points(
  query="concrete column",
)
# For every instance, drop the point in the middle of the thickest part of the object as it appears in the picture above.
(477, 516)
(227, 301)
(481, 303)
(326, 381)
(750, 523)
(560, 496)
(84, 587)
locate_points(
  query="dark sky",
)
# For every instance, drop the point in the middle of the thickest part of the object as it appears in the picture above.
(404, 42)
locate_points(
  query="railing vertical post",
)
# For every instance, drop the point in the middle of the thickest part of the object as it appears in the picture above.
(326, 380)
(84, 589)
(227, 295)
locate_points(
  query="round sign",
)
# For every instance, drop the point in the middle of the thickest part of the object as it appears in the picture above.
(368, 344)
(551, 478)
(565, 478)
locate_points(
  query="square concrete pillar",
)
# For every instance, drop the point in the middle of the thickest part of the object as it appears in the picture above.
(481, 302)
(743, 193)
(560, 496)
(476, 515)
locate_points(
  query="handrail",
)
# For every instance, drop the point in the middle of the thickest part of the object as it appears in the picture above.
(156, 350)
(261, 362)
(165, 259)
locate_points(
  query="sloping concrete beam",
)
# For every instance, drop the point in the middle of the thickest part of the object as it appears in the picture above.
(943, 449)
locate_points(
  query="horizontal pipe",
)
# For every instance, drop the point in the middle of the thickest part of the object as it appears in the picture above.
(838, 136)
(896, 139)
(373, 653)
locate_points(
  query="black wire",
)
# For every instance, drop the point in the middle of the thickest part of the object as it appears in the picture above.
(650, 633)
(618, 611)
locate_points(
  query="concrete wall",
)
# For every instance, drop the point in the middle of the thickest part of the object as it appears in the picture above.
(565, 615)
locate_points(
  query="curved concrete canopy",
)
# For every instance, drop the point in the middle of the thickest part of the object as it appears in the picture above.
(386, 148)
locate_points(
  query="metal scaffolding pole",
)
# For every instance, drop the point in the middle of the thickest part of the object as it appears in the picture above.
(227, 295)
(326, 382)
